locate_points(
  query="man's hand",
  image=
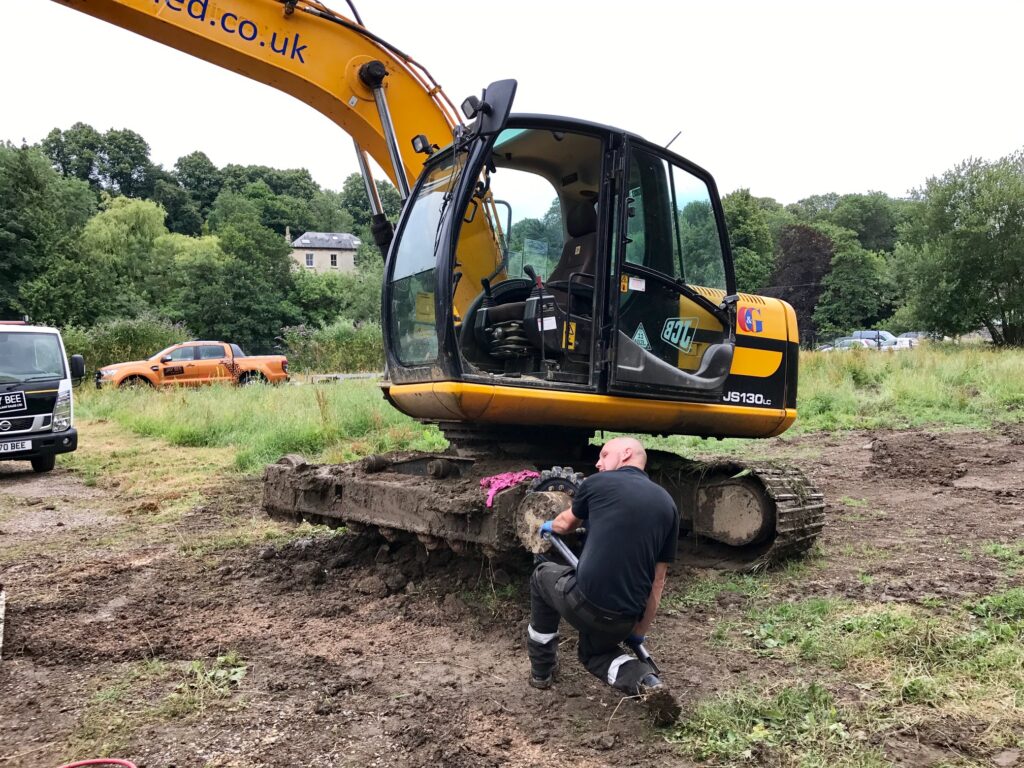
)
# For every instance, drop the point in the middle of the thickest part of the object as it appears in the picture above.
(634, 640)
(547, 528)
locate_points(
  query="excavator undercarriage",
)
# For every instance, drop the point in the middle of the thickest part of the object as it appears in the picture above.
(732, 516)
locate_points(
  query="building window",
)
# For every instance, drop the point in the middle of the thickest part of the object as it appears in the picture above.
(309, 260)
(334, 260)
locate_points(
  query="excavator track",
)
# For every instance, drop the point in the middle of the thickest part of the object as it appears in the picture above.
(799, 511)
(734, 516)
(785, 512)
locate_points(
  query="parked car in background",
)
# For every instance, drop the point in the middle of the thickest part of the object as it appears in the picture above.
(848, 343)
(877, 338)
(195, 363)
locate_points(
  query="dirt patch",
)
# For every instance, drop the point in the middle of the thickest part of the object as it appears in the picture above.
(361, 652)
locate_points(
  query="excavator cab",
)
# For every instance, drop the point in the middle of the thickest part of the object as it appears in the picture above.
(563, 256)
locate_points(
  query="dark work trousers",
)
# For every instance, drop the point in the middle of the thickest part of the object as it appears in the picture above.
(554, 596)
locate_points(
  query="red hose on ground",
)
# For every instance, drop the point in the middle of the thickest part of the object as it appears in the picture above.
(100, 761)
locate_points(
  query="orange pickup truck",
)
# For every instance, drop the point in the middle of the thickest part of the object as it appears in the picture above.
(195, 363)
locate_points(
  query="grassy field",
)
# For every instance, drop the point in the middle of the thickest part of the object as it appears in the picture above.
(332, 422)
(850, 676)
(941, 387)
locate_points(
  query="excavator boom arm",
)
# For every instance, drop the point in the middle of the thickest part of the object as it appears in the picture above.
(304, 49)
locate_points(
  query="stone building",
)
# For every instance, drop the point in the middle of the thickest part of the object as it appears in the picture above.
(325, 251)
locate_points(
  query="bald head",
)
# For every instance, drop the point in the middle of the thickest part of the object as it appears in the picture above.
(622, 452)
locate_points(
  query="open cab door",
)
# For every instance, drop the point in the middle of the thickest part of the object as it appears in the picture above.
(673, 328)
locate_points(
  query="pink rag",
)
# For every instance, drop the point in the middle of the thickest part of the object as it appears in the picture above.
(496, 483)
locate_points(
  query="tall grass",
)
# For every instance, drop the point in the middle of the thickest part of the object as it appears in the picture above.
(936, 387)
(334, 422)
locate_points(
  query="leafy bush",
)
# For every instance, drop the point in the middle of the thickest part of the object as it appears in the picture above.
(118, 341)
(339, 348)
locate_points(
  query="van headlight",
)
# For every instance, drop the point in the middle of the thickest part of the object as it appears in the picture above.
(62, 412)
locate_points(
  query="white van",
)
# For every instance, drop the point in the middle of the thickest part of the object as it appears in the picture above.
(36, 410)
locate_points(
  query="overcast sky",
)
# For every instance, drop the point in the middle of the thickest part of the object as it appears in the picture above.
(787, 98)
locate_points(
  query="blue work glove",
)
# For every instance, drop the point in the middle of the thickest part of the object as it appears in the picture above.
(547, 528)
(635, 640)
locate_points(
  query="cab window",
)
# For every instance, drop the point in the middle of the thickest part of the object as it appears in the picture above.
(182, 353)
(670, 224)
(413, 283)
(211, 352)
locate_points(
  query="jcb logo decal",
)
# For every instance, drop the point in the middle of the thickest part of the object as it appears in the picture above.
(679, 332)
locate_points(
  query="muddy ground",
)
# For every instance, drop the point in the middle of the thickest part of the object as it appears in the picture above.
(357, 653)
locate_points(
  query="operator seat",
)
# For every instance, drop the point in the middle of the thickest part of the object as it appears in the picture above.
(500, 328)
(578, 256)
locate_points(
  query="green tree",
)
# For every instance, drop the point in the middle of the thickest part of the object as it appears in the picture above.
(246, 300)
(329, 214)
(963, 256)
(191, 261)
(182, 212)
(858, 288)
(76, 152)
(273, 211)
(200, 178)
(751, 239)
(875, 217)
(294, 182)
(814, 208)
(41, 216)
(124, 165)
(118, 245)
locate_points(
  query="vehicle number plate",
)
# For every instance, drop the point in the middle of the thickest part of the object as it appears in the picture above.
(14, 446)
(12, 401)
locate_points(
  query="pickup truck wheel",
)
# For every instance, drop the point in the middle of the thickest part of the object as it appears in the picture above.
(135, 382)
(251, 378)
(44, 463)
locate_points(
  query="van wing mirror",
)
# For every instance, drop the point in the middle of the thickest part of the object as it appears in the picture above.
(77, 363)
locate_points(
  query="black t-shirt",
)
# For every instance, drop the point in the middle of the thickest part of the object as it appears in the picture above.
(632, 523)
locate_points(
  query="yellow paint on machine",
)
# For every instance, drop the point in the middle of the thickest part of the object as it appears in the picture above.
(449, 400)
(755, 362)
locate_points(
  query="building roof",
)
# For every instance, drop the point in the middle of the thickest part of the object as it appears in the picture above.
(341, 240)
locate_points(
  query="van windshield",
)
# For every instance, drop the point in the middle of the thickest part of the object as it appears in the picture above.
(30, 357)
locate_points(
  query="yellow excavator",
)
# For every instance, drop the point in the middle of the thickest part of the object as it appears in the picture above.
(548, 278)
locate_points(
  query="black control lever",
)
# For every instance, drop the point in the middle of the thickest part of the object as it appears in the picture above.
(488, 296)
(532, 274)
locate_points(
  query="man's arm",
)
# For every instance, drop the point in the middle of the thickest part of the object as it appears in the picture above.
(660, 571)
(566, 522)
